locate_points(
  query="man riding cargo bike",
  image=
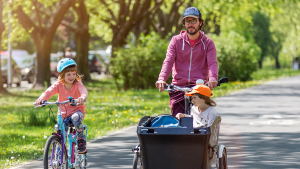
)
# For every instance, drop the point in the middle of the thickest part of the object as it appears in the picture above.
(190, 56)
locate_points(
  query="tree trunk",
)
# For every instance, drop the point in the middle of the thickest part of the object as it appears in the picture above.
(163, 23)
(130, 14)
(260, 62)
(112, 55)
(42, 36)
(82, 49)
(43, 50)
(277, 64)
(82, 40)
(2, 89)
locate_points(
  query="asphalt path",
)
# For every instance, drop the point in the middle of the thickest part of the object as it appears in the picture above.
(260, 129)
(261, 125)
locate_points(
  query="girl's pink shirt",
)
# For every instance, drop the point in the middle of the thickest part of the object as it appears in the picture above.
(76, 91)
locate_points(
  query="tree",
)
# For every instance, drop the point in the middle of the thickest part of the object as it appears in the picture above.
(82, 37)
(165, 22)
(262, 34)
(2, 89)
(122, 16)
(41, 23)
(285, 34)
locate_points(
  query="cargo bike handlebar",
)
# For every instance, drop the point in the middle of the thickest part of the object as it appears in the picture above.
(172, 88)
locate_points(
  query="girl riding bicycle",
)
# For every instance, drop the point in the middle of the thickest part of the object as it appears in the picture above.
(202, 111)
(69, 84)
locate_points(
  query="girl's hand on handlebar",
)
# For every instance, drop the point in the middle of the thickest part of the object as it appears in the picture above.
(38, 102)
(212, 84)
(160, 84)
(81, 100)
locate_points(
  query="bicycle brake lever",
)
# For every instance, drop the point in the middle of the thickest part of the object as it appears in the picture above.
(73, 104)
(41, 105)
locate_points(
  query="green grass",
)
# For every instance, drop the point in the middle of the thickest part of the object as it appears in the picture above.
(24, 130)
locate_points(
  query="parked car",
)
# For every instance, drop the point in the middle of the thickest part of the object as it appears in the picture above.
(16, 71)
(26, 63)
(104, 58)
(94, 62)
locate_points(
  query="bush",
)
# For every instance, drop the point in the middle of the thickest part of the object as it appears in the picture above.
(237, 58)
(34, 118)
(138, 66)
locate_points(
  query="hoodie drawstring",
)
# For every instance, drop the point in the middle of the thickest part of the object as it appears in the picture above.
(183, 44)
(203, 43)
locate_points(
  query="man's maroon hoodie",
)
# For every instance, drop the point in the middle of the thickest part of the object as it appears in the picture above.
(190, 64)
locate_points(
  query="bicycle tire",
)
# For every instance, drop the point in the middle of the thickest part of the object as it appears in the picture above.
(54, 140)
(135, 160)
(223, 160)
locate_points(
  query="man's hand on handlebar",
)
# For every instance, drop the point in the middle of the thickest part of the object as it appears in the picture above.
(160, 84)
(212, 84)
(180, 115)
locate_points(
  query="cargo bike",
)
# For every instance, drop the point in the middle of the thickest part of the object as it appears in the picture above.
(164, 146)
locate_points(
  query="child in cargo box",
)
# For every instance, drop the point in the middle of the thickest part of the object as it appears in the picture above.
(202, 111)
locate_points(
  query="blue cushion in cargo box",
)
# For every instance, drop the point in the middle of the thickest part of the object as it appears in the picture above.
(165, 121)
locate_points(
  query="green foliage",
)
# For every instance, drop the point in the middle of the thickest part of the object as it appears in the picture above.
(139, 66)
(285, 28)
(261, 33)
(237, 58)
(34, 119)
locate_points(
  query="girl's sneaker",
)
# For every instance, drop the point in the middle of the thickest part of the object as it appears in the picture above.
(81, 146)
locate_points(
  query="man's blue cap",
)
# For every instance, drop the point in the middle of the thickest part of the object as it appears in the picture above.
(191, 12)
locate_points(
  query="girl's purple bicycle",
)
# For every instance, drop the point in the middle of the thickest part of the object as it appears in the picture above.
(61, 147)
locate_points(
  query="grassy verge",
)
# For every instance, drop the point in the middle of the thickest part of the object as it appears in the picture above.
(24, 130)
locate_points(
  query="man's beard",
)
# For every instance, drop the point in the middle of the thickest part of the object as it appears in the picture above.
(193, 33)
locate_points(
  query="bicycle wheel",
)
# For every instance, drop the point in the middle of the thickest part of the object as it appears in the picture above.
(137, 161)
(223, 160)
(52, 151)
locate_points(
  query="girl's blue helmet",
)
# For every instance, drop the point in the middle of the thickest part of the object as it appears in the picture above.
(65, 62)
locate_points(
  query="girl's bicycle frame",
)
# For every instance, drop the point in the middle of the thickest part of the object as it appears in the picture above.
(55, 152)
